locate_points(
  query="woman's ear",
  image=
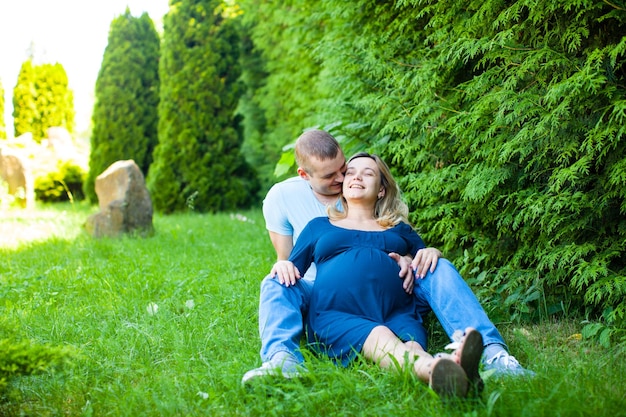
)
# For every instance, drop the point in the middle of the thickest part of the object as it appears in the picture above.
(381, 193)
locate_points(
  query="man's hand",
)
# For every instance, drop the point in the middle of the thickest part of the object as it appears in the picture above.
(286, 272)
(425, 259)
(406, 273)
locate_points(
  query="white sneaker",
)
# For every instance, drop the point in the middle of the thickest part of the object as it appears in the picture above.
(503, 364)
(285, 365)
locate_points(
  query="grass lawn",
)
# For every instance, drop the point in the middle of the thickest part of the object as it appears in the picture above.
(167, 325)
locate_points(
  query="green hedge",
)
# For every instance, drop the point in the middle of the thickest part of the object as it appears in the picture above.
(504, 120)
(24, 358)
(64, 184)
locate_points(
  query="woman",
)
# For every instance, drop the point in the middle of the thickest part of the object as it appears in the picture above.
(358, 304)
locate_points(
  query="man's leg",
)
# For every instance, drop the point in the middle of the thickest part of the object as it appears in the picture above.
(281, 327)
(456, 307)
(454, 303)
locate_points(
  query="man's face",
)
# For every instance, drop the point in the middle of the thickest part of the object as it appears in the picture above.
(326, 177)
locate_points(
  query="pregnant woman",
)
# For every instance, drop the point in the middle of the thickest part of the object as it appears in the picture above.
(358, 304)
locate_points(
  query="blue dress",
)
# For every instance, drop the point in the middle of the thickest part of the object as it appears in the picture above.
(357, 286)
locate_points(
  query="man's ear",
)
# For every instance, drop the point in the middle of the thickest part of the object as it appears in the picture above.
(302, 173)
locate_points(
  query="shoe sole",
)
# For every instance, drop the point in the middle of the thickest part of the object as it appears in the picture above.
(470, 354)
(448, 379)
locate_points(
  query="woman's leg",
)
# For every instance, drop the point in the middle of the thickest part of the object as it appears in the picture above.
(443, 375)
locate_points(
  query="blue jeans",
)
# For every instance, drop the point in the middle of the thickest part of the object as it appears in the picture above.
(444, 292)
(447, 295)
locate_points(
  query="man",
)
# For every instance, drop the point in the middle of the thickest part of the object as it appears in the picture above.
(288, 207)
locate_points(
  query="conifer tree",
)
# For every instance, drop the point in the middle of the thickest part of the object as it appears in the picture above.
(198, 161)
(54, 100)
(24, 100)
(125, 114)
(3, 129)
(42, 99)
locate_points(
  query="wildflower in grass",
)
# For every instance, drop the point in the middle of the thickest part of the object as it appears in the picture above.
(241, 218)
(152, 308)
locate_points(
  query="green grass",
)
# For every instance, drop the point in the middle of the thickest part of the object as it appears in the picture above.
(58, 286)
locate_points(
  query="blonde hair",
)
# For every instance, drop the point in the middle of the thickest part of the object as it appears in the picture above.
(389, 209)
(315, 143)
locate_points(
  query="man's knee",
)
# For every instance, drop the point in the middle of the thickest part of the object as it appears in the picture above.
(273, 291)
(271, 287)
(445, 269)
(269, 281)
(444, 276)
(446, 265)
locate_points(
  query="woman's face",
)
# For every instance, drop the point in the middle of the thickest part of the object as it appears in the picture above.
(362, 180)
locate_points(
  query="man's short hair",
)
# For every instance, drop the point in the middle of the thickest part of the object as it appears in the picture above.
(315, 143)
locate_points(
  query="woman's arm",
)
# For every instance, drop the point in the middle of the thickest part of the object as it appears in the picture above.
(412, 267)
(300, 258)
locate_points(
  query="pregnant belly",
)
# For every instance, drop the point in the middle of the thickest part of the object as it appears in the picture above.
(359, 285)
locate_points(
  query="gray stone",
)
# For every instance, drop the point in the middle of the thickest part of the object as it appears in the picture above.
(124, 201)
(14, 173)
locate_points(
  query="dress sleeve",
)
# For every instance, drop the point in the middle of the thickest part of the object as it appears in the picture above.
(302, 254)
(413, 239)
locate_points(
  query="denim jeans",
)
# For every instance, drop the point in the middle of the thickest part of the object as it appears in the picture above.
(447, 295)
(444, 292)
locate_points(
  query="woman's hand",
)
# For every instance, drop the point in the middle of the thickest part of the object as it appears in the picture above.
(286, 272)
(425, 260)
(406, 272)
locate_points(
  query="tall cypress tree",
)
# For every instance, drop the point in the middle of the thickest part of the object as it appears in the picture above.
(3, 129)
(198, 157)
(24, 104)
(42, 99)
(54, 100)
(127, 94)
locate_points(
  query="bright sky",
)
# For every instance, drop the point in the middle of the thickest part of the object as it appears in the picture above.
(73, 33)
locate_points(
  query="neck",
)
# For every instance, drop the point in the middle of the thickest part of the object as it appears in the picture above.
(360, 212)
(359, 217)
(325, 199)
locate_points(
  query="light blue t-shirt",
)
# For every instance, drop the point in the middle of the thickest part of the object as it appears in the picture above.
(289, 206)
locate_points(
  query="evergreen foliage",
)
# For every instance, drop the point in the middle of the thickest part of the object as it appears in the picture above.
(504, 122)
(3, 126)
(22, 358)
(281, 75)
(63, 184)
(253, 121)
(24, 100)
(54, 101)
(198, 161)
(42, 99)
(125, 115)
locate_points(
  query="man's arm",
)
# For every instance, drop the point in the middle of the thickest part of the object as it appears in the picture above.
(283, 244)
